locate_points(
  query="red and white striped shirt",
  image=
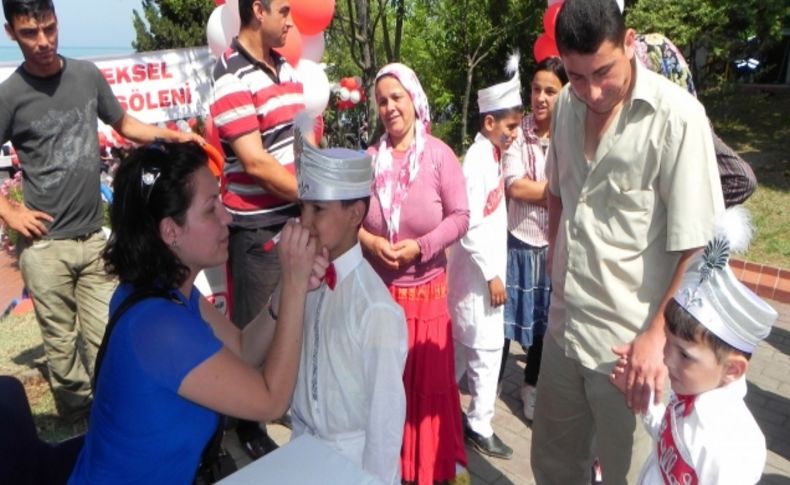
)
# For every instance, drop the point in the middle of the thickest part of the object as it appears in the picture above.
(247, 96)
(526, 158)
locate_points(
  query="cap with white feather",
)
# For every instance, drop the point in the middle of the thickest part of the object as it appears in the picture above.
(712, 294)
(503, 95)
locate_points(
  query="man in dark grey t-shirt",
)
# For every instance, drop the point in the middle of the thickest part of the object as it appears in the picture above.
(48, 109)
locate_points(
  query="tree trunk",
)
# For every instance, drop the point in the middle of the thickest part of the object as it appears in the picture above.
(470, 67)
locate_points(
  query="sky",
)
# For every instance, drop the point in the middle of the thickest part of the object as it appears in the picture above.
(93, 23)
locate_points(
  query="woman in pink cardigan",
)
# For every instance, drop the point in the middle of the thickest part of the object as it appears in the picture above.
(419, 208)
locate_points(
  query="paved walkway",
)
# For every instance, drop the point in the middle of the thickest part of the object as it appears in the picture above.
(768, 398)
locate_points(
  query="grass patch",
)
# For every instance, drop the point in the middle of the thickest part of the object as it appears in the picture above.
(22, 356)
(756, 123)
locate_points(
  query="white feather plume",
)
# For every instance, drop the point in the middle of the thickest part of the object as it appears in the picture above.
(511, 68)
(736, 225)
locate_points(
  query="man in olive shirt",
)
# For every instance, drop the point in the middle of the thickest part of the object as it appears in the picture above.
(633, 193)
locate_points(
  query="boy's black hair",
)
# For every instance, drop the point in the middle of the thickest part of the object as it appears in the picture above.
(501, 113)
(364, 200)
(583, 25)
(26, 8)
(683, 325)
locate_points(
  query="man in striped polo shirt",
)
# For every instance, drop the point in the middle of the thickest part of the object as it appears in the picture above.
(255, 97)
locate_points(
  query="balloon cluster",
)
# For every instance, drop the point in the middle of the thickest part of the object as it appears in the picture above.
(350, 92)
(545, 45)
(303, 49)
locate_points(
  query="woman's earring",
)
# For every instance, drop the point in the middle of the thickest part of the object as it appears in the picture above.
(174, 244)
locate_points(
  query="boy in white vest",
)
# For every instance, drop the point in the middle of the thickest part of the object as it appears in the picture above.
(478, 262)
(706, 434)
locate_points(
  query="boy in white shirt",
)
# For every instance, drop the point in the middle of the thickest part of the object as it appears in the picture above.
(706, 434)
(478, 262)
(349, 391)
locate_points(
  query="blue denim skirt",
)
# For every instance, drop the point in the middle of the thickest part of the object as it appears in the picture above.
(528, 291)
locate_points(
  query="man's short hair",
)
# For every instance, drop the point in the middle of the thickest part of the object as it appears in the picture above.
(684, 326)
(26, 8)
(245, 10)
(583, 25)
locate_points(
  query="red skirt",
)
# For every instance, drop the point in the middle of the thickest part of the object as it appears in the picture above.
(432, 437)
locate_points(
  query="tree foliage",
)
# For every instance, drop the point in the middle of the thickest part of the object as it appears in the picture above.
(712, 33)
(169, 24)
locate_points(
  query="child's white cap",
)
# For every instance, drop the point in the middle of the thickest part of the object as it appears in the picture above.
(329, 174)
(503, 95)
(712, 294)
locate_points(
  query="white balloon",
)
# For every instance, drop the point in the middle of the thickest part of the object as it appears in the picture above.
(344, 94)
(218, 39)
(313, 47)
(230, 20)
(232, 6)
(315, 85)
(354, 96)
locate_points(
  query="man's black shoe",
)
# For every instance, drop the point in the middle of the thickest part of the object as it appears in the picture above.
(491, 446)
(255, 441)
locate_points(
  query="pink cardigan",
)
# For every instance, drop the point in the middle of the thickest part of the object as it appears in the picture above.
(435, 213)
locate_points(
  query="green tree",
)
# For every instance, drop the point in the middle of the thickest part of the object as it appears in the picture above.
(170, 24)
(469, 41)
(713, 31)
(365, 35)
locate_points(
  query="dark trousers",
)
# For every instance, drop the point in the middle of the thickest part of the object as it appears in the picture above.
(254, 274)
(532, 369)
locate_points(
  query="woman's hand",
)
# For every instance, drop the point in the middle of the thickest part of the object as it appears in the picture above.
(406, 251)
(297, 253)
(382, 250)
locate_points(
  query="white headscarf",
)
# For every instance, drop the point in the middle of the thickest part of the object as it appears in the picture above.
(391, 189)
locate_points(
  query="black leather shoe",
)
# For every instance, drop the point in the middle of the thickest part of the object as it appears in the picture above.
(491, 446)
(255, 441)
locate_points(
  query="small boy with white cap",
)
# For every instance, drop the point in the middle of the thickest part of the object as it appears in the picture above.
(478, 261)
(706, 434)
(349, 391)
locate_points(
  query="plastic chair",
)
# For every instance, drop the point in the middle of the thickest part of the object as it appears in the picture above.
(24, 458)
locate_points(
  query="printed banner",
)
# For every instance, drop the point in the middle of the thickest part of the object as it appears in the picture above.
(157, 86)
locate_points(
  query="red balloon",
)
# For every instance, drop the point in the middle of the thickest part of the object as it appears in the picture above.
(219, 2)
(312, 16)
(292, 50)
(550, 18)
(545, 47)
(349, 83)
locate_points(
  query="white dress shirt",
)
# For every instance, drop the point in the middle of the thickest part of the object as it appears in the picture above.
(349, 391)
(719, 439)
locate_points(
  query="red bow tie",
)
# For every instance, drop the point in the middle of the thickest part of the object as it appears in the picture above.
(686, 403)
(331, 276)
